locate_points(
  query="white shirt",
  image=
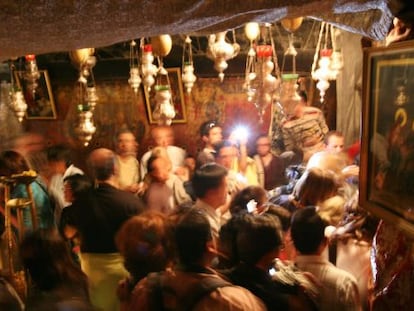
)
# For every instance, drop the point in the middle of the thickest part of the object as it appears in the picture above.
(215, 217)
(128, 171)
(176, 155)
(339, 289)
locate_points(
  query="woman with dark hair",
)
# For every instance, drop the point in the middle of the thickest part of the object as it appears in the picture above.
(13, 163)
(145, 243)
(74, 187)
(249, 199)
(56, 282)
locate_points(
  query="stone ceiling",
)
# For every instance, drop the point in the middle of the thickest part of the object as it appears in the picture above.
(45, 26)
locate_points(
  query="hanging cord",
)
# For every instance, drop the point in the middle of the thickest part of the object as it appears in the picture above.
(317, 49)
(333, 39)
(290, 51)
(275, 60)
(327, 27)
(187, 52)
(305, 46)
(134, 54)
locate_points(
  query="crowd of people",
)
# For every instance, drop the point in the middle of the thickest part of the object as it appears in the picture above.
(226, 229)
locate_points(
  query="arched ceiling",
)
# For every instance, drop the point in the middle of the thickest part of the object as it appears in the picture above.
(43, 26)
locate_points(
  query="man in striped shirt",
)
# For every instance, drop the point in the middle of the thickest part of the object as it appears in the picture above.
(305, 129)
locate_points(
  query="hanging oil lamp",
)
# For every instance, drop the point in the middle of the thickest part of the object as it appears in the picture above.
(327, 62)
(17, 100)
(18, 104)
(188, 75)
(87, 95)
(148, 69)
(164, 110)
(261, 80)
(134, 77)
(289, 97)
(85, 127)
(221, 51)
(31, 74)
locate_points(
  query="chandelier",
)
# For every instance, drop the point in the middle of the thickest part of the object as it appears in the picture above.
(262, 76)
(327, 58)
(220, 51)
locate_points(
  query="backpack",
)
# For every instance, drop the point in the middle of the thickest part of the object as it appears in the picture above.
(192, 297)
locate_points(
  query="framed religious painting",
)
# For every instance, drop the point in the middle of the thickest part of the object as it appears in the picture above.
(387, 149)
(177, 95)
(39, 99)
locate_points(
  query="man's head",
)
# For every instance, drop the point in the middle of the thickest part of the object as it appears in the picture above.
(211, 133)
(163, 136)
(226, 153)
(158, 168)
(334, 141)
(192, 234)
(103, 164)
(209, 182)
(308, 231)
(59, 158)
(126, 143)
(259, 239)
(263, 145)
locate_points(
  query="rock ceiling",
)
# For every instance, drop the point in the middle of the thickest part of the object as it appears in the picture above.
(44, 26)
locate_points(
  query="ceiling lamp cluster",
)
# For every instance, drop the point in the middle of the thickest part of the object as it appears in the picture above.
(328, 59)
(262, 76)
(87, 99)
(221, 51)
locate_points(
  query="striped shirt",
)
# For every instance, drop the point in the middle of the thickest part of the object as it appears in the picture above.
(306, 133)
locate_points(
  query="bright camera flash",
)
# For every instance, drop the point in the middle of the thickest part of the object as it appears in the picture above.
(240, 132)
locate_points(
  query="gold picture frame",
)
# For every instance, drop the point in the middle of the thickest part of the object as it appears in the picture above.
(174, 75)
(387, 146)
(40, 104)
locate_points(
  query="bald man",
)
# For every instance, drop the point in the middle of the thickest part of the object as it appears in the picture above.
(98, 216)
(163, 136)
